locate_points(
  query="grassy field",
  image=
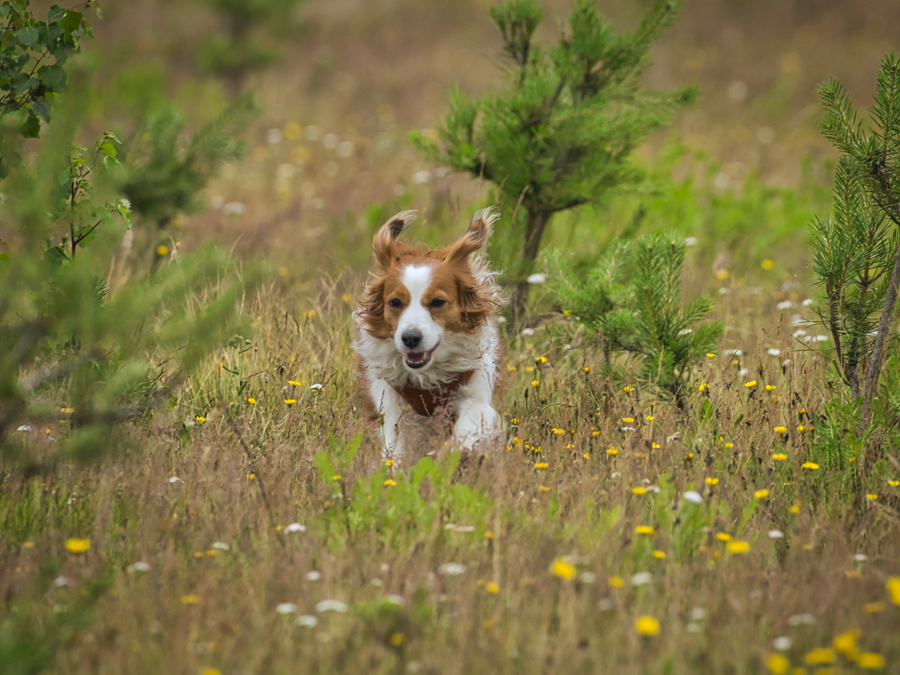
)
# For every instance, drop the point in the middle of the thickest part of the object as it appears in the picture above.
(608, 506)
(249, 524)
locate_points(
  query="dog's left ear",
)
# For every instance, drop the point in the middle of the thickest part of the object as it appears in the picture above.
(476, 237)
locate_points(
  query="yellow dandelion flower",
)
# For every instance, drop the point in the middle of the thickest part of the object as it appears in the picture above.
(689, 456)
(801, 428)
(290, 401)
(710, 355)
(845, 643)
(529, 369)
(587, 369)
(893, 587)
(397, 639)
(766, 264)
(874, 607)
(558, 432)
(659, 555)
(514, 420)
(761, 494)
(595, 433)
(389, 462)
(541, 465)
(723, 536)
(722, 275)
(780, 430)
(492, 587)
(210, 671)
(750, 384)
(67, 411)
(251, 476)
(535, 383)
(199, 419)
(563, 569)
(162, 250)
(894, 483)
(294, 383)
(870, 661)
(541, 360)
(616, 582)
(820, 657)
(738, 546)
(703, 387)
(336, 477)
(198, 554)
(771, 387)
(77, 545)
(871, 497)
(310, 314)
(511, 369)
(190, 599)
(586, 456)
(646, 625)
(627, 389)
(729, 446)
(779, 457)
(649, 418)
(639, 490)
(251, 401)
(655, 446)
(712, 481)
(390, 483)
(346, 299)
(812, 466)
(628, 420)
(543, 488)
(852, 574)
(778, 664)
(612, 452)
(488, 535)
(643, 529)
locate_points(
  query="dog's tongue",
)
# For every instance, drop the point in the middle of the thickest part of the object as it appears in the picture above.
(415, 357)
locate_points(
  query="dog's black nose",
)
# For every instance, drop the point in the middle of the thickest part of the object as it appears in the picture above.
(411, 338)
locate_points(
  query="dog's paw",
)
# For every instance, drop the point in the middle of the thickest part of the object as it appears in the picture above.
(477, 428)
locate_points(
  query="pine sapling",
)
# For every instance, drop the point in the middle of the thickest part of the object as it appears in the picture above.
(560, 131)
(870, 164)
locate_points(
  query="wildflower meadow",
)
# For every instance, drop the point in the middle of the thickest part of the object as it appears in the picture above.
(700, 464)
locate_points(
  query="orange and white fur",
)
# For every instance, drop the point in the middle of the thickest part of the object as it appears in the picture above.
(427, 335)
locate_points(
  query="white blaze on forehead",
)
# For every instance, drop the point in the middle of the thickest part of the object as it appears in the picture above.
(417, 317)
(417, 279)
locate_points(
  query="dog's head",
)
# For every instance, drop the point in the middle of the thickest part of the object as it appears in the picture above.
(418, 296)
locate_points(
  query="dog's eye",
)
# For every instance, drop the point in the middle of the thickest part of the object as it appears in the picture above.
(438, 302)
(395, 303)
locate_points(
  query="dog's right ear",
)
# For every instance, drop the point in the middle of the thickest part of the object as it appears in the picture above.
(385, 244)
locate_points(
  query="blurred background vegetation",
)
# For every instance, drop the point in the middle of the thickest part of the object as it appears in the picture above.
(341, 83)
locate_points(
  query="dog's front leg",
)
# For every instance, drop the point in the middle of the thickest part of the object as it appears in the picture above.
(477, 423)
(390, 406)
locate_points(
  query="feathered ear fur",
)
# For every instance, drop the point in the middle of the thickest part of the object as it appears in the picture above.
(385, 244)
(475, 238)
(474, 305)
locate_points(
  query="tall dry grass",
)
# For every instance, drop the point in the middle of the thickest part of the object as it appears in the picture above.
(382, 548)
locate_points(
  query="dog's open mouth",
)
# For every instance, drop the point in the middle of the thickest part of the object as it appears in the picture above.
(419, 359)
